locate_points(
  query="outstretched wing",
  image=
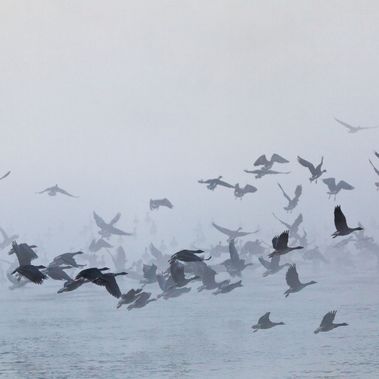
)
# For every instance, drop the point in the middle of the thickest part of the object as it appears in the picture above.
(328, 318)
(297, 222)
(375, 169)
(115, 218)
(5, 175)
(233, 251)
(177, 272)
(344, 185)
(62, 191)
(331, 183)
(264, 263)
(307, 164)
(346, 125)
(277, 158)
(99, 221)
(283, 241)
(221, 229)
(292, 277)
(46, 190)
(298, 191)
(166, 203)
(339, 219)
(249, 189)
(284, 193)
(261, 161)
(224, 184)
(264, 318)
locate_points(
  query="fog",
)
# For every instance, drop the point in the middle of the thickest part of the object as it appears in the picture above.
(124, 101)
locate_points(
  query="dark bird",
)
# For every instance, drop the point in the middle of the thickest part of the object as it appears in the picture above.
(316, 172)
(7, 240)
(53, 191)
(188, 256)
(267, 164)
(292, 202)
(177, 274)
(5, 175)
(263, 172)
(71, 285)
(273, 266)
(155, 204)
(265, 323)
(149, 273)
(213, 183)
(226, 287)
(232, 234)
(23, 252)
(376, 171)
(335, 188)
(169, 288)
(280, 245)
(57, 272)
(354, 129)
(327, 323)
(107, 229)
(143, 299)
(101, 243)
(294, 284)
(235, 265)
(240, 192)
(31, 272)
(108, 280)
(129, 297)
(66, 259)
(341, 224)
(91, 274)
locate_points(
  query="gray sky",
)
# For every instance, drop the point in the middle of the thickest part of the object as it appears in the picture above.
(122, 101)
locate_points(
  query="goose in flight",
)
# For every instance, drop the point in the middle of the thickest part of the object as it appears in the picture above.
(232, 234)
(91, 273)
(57, 272)
(240, 192)
(264, 322)
(129, 297)
(327, 323)
(213, 183)
(24, 253)
(341, 224)
(207, 276)
(107, 229)
(169, 288)
(143, 298)
(280, 245)
(71, 285)
(335, 188)
(5, 175)
(155, 204)
(66, 259)
(108, 280)
(7, 240)
(53, 191)
(354, 129)
(316, 172)
(260, 173)
(177, 274)
(235, 265)
(188, 256)
(292, 202)
(227, 287)
(273, 266)
(267, 164)
(294, 284)
(31, 272)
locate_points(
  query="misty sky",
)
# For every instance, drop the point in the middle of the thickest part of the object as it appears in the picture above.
(123, 101)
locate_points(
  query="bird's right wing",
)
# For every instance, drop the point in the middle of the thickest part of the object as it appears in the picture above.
(99, 221)
(339, 218)
(264, 263)
(350, 127)
(328, 318)
(222, 229)
(264, 318)
(284, 193)
(306, 164)
(331, 183)
(292, 277)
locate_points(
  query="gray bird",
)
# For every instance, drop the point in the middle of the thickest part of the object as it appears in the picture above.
(155, 204)
(334, 188)
(292, 202)
(294, 284)
(53, 191)
(267, 164)
(264, 322)
(354, 129)
(316, 172)
(341, 224)
(327, 323)
(213, 183)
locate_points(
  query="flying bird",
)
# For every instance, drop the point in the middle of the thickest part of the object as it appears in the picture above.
(354, 129)
(280, 245)
(98, 245)
(66, 259)
(31, 272)
(341, 224)
(316, 172)
(107, 229)
(188, 256)
(294, 227)
(335, 188)
(155, 204)
(235, 265)
(143, 298)
(213, 183)
(24, 253)
(267, 164)
(53, 191)
(129, 297)
(108, 280)
(263, 172)
(294, 284)
(232, 234)
(273, 266)
(264, 322)
(240, 192)
(327, 323)
(292, 202)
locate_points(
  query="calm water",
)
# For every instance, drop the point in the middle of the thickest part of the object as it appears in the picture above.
(82, 334)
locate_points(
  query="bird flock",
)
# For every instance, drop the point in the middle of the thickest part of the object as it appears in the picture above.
(173, 273)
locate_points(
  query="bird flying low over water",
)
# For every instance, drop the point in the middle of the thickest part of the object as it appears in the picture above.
(316, 172)
(66, 259)
(53, 191)
(240, 192)
(232, 234)
(107, 229)
(292, 203)
(188, 256)
(31, 272)
(327, 323)
(341, 224)
(294, 284)
(280, 245)
(267, 164)
(24, 253)
(335, 188)
(273, 266)
(264, 322)
(129, 297)
(354, 129)
(98, 245)
(155, 204)
(213, 183)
